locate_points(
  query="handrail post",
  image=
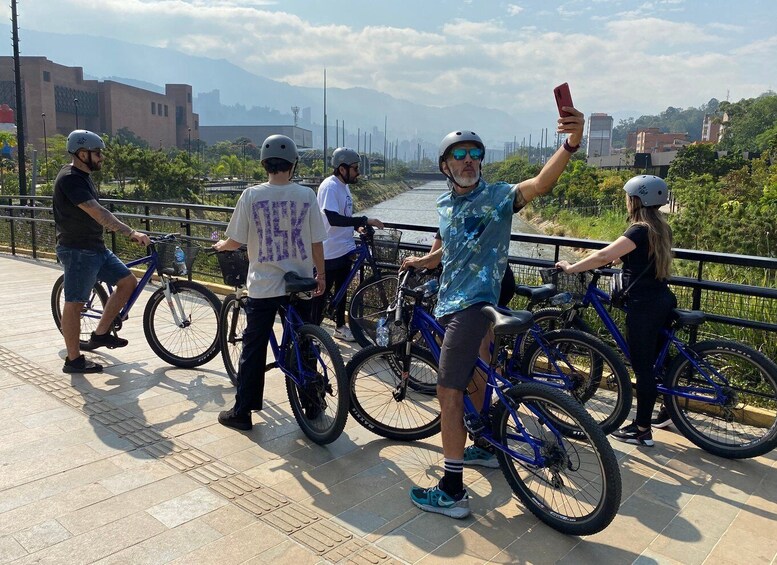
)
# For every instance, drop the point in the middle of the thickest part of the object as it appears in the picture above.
(33, 230)
(13, 229)
(147, 219)
(111, 207)
(696, 302)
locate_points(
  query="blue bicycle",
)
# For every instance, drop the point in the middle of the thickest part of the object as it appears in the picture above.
(720, 394)
(180, 320)
(376, 247)
(306, 355)
(554, 456)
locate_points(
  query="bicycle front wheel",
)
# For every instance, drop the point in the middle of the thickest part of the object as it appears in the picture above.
(185, 331)
(90, 313)
(232, 323)
(743, 423)
(573, 484)
(319, 398)
(369, 302)
(388, 405)
(590, 371)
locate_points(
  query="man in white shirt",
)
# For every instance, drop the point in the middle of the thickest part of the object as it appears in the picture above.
(282, 225)
(334, 199)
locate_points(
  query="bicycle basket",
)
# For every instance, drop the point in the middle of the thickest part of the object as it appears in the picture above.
(234, 266)
(385, 245)
(575, 283)
(166, 257)
(373, 302)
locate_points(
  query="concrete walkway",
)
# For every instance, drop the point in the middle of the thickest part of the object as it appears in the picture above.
(130, 466)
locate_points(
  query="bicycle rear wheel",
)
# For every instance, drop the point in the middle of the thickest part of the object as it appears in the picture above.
(381, 403)
(232, 323)
(575, 485)
(742, 425)
(194, 340)
(590, 371)
(319, 400)
(90, 313)
(549, 319)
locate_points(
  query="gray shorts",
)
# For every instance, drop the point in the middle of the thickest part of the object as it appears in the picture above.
(464, 330)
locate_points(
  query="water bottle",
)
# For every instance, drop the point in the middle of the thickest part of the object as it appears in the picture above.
(382, 333)
(180, 261)
(561, 298)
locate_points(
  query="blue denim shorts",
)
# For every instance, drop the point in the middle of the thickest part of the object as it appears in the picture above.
(84, 267)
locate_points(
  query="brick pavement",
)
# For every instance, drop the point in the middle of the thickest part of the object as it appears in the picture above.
(130, 466)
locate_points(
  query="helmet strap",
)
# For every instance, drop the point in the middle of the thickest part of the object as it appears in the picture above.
(89, 164)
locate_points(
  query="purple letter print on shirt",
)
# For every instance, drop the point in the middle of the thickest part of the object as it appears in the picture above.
(279, 227)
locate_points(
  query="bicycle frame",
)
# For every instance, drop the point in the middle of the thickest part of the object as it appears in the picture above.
(597, 299)
(363, 255)
(423, 322)
(151, 260)
(291, 322)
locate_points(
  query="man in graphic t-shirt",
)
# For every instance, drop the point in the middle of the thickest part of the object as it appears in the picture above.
(282, 226)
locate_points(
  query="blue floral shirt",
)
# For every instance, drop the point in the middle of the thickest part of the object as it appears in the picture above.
(475, 232)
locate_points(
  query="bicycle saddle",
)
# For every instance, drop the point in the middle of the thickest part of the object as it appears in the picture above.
(536, 293)
(689, 317)
(508, 323)
(296, 283)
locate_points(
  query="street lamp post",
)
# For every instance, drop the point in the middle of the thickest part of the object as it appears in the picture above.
(45, 147)
(244, 160)
(75, 101)
(189, 145)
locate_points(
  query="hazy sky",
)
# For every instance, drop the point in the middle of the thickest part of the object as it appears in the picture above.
(618, 56)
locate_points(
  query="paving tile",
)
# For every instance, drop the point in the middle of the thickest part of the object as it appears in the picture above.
(99, 543)
(186, 507)
(42, 535)
(165, 547)
(237, 547)
(10, 549)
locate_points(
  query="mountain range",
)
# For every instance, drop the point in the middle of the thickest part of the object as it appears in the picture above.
(225, 94)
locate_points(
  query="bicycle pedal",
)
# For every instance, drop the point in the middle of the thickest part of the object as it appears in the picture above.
(474, 424)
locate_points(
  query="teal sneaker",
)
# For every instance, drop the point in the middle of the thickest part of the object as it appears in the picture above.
(434, 499)
(476, 456)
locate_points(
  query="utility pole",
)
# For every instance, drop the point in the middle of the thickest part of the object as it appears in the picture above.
(17, 74)
(323, 164)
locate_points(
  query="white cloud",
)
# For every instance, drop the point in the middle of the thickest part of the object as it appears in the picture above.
(626, 61)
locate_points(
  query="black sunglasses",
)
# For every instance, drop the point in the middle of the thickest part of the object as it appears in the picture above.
(459, 153)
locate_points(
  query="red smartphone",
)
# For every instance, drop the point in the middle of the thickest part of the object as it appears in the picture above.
(563, 98)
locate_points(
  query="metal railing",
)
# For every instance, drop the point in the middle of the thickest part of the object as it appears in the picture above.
(736, 291)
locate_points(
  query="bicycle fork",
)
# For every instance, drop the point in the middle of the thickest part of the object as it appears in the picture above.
(173, 300)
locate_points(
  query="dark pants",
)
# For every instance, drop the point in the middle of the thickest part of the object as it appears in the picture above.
(337, 271)
(646, 317)
(260, 318)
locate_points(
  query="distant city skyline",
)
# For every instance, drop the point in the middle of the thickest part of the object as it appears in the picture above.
(619, 56)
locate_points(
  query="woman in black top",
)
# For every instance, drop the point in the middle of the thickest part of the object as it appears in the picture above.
(645, 249)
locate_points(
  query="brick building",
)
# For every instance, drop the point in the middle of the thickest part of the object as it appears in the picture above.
(653, 140)
(64, 96)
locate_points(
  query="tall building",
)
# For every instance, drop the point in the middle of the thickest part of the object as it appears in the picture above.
(58, 98)
(711, 128)
(599, 135)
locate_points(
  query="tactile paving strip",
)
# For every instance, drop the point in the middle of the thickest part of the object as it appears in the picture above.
(322, 536)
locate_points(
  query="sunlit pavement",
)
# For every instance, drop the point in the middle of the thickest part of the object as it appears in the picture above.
(130, 466)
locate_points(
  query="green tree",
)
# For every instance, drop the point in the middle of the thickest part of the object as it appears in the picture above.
(749, 123)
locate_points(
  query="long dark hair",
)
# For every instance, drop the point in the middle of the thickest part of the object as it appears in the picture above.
(659, 234)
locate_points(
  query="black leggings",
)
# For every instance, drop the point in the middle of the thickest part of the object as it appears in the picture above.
(646, 316)
(337, 271)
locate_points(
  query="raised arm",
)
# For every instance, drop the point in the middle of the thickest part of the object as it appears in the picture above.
(531, 188)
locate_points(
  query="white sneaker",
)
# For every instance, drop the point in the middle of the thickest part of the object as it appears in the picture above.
(344, 333)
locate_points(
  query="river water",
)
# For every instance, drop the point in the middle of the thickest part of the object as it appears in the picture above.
(418, 206)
